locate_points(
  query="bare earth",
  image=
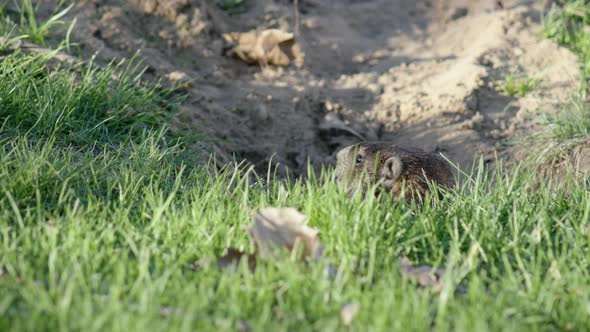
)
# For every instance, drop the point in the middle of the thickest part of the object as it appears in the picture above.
(411, 72)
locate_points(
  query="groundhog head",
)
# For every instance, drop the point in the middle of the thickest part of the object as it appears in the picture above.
(393, 168)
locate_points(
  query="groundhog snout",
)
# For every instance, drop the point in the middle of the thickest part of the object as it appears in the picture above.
(342, 157)
(342, 154)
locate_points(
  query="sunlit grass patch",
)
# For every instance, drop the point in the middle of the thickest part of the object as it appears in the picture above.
(515, 85)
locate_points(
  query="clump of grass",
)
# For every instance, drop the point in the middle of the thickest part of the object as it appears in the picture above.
(27, 25)
(569, 26)
(514, 85)
(77, 109)
(573, 121)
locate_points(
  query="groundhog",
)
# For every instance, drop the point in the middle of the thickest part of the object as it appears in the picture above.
(396, 168)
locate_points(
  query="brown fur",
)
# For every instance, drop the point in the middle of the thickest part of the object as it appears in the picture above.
(395, 167)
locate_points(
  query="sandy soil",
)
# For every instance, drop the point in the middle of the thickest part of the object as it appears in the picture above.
(421, 73)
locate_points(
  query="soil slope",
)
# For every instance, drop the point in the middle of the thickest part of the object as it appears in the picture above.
(422, 73)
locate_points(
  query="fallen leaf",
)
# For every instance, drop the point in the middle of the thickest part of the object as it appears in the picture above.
(423, 275)
(266, 47)
(231, 259)
(284, 228)
(348, 311)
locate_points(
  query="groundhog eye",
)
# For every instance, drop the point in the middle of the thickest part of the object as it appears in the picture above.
(359, 159)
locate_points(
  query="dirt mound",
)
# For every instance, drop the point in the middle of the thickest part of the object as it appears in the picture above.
(406, 71)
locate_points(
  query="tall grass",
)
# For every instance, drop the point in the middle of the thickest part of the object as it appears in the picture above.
(77, 109)
(101, 222)
(25, 22)
(573, 120)
(107, 241)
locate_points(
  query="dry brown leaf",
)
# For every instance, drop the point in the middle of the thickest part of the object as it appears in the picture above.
(284, 228)
(266, 47)
(348, 311)
(14, 44)
(230, 259)
(273, 228)
(423, 275)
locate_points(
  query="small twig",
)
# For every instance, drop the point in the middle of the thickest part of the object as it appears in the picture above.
(14, 44)
(576, 12)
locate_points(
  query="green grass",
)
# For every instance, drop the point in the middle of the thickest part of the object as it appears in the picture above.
(24, 22)
(513, 85)
(102, 216)
(572, 122)
(233, 7)
(101, 221)
(518, 85)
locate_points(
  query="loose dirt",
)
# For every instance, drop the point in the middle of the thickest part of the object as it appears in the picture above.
(422, 73)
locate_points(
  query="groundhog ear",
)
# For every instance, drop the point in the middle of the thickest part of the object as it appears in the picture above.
(392, 168)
